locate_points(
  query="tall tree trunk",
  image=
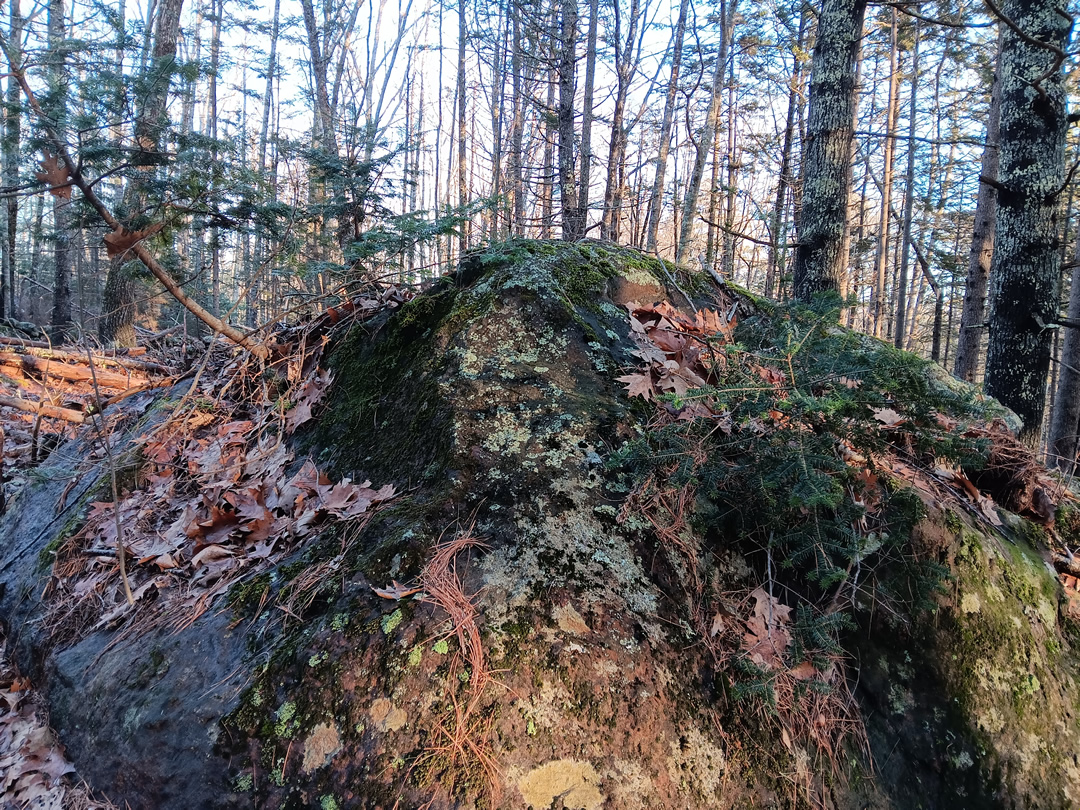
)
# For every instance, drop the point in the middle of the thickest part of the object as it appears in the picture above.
(656, 200)
(57, 107)
(1062, 444)
(573, 225)
(547, 184)
(118, 304)
(777, 245)
(216, 9)
(1024, 274)
(10, 160)
(969, 342)
(705, 142)
(582, 213)
(463, 181)
(909, 201)
(625, 67)
(517, 126)
(728, 236)
(881, 255)
(819, 258)
(254, 288)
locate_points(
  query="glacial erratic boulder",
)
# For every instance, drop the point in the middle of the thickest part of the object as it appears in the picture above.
(580, 598)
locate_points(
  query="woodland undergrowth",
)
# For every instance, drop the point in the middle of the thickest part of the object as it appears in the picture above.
(807, 449)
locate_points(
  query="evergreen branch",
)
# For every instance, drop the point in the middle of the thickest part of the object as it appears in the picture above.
(256, 347)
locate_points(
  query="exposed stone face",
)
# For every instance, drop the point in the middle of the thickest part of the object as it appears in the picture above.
(493, 404)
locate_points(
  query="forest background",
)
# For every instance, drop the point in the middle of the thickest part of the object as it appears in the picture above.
(270, 160)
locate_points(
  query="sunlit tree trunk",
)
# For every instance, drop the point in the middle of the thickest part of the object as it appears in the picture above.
(656, 201)
(909, 201)
(969, 343)
(881, 255)
(12, 136)
(573, 224)
(705, 140)
(819, 259)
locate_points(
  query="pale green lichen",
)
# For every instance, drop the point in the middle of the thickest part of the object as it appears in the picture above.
(390, 622)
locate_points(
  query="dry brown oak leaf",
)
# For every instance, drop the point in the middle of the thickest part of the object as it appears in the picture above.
(56, 176)
(122, 240)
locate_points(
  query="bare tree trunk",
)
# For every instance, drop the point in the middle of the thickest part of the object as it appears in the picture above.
(705, 142)
(547, 184)
(1062, 442)
(881, 256)
(969, 342)
(785, 181)
(626, 63)
(819, 258)
(57, 102)
(1025, 272)
(656, 201)
(582, 214)
(909, 201)
(517, 126)
(573, 225)
(118, 305)
(12, 137)
(463, 182)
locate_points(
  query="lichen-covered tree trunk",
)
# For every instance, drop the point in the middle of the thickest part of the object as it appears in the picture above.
(819, 258)
(1024, 274)
(969, 344)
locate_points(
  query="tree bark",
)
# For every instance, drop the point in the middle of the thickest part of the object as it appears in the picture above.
(57, 100)
(909, 201)
(1062, 443)
(117, 326)
(573, 225)
(969, 342)
(785, 180)
(656, 200)
(625, 67)
(819, 258)
(1024, 273)
(10, 167)
(462, 153)
(705, 142)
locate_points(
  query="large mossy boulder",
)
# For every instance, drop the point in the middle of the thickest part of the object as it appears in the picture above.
(555, 656)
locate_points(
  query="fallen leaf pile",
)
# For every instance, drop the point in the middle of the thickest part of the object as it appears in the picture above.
(219, 495)
(34, 771)
(680, 353)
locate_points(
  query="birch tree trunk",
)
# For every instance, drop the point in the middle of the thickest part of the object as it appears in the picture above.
(819, 259)
(1024, 273)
